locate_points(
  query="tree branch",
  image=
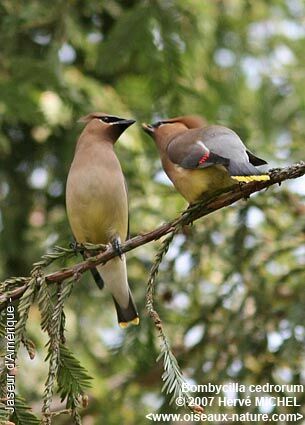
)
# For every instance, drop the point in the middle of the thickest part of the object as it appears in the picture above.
(193, 212)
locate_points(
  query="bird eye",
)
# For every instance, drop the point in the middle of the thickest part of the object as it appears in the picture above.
(109, 119)
(159, 123)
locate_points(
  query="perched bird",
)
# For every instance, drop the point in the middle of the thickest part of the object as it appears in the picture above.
(97, 204)
(199, 158)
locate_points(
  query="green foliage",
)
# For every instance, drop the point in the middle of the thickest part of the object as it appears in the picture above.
(22, 414)
(4, 415)
(172, 375)
(72, 378)
(63, 366)
(46, 302)
(54, 328)
(2, 325)
(24, 306)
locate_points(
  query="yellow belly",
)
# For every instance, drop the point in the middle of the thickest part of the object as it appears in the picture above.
(97, 223)
(192, 184)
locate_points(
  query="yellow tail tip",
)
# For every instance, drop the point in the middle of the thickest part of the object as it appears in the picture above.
(123, 325)
(135, 322)
(248, 179)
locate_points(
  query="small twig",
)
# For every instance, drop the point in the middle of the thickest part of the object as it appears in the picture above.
(14, 294)
(60, 412)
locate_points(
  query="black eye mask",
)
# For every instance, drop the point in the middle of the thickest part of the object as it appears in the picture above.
(109, 119)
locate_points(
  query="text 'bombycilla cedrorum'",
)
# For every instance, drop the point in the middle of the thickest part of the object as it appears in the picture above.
(199, 158)
(97, 204)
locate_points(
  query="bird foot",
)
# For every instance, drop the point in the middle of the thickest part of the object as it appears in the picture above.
(116, 245)
(77, 247)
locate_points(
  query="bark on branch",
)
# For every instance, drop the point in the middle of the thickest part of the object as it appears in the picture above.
(194, 212)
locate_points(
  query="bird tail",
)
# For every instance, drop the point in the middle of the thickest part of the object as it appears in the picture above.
(246, 172)
(127, 315)
(114, 275)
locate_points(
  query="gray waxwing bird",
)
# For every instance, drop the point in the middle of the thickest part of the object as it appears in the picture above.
(200, 159)
(97, 204)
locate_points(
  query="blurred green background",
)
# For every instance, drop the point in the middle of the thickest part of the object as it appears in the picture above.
(231, 289)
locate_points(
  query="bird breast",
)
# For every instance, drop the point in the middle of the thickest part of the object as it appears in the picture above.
(96, 200)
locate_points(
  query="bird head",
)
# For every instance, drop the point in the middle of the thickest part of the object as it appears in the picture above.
(110, 125)
(164, 130)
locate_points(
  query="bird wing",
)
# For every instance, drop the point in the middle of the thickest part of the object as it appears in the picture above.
(128, 225)
(255, 160)
(198, 149)
(225, 142)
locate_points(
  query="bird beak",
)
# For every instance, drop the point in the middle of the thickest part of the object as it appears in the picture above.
(123, 123)
(149, 129)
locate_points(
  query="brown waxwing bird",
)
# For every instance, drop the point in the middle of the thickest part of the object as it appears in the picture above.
(97, 204)
(200, 159)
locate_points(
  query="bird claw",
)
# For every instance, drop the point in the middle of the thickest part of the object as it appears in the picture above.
(76, 247)
(117, 247)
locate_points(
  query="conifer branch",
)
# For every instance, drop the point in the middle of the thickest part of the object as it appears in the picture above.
(15, 287)
(54, 330)
(172, 375)
(22, 414)
(24, 306)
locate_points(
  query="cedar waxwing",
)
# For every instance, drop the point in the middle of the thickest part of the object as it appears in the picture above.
(199, 158)
(97, 204)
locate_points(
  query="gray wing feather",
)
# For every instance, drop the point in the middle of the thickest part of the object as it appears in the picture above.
(188, 155)
(128, 225)
(195, 152)
(224, 142)
(223, 146)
